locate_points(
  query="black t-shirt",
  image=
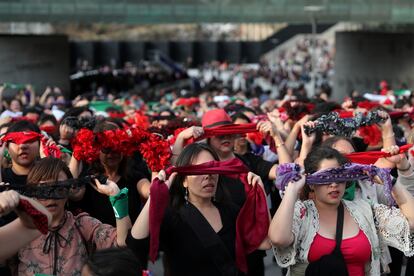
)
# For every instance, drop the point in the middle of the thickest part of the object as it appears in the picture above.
(99, 207)
(258, 166)
(19, 180)
(10, 177)
(235, 188)
(183, 249)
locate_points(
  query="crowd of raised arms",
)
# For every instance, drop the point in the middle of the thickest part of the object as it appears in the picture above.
(101, 184)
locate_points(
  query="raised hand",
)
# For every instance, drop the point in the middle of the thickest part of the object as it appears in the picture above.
(48, 143)
(191, 132)
(109, 188)
(9, 200)
(267, 127)
(26, 219)
(66, 132)
(308, 139)
(296, 185)
(395, 156)
(254, 179)
(387, 120)
(162, 177)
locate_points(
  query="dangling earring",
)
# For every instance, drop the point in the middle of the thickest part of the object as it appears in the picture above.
(214, 198)
(186, 195)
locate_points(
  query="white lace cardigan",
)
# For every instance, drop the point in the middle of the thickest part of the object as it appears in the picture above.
(383, 226)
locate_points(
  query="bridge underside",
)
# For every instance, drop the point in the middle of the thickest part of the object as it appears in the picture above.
(205, 11)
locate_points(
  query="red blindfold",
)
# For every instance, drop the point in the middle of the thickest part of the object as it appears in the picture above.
(21, 137)
(48, 129)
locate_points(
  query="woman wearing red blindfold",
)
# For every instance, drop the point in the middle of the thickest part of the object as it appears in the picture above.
(198, 231)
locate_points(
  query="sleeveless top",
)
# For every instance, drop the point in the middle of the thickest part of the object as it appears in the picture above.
(356, 251)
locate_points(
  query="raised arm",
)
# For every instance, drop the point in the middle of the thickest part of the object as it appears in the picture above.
(281, 227)
(281, 148)
(32, 101)
(268, 128)
(293, 135)
(403, 198)
(66, 134)
(191, 132)
(21, 231)
(254, 179)
(274, 117)
(307, 143)
(44, 96)
(140, 229)
(388, 140)
(75, 166)
(119, 201)
(143, 187)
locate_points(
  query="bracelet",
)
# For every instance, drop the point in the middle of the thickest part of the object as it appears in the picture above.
(404, 170)
(119, 203)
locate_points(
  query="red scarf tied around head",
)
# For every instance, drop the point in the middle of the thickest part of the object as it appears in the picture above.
(24, 137)
(252, 221)
(221, 131)
(228, 130)
(21, 137)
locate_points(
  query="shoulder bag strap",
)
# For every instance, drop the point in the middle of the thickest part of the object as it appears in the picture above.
(339, 227)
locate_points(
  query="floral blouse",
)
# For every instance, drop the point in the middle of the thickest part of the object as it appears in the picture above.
(383, 226)
(64, 251)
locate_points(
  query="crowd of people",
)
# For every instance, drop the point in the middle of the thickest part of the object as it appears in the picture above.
(290, 70)
(100, 184)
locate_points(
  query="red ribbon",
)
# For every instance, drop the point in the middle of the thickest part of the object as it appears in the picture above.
(39, 219)
(399, 114)
(252, 221)
(25, 118)
(22, 137)
(187, 101)
(228, 130)
(393, 114)
(345, 114)
(48, 129)
(370, 157)
(51, 150)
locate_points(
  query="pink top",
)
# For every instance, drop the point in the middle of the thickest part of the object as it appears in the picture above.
(67, 247)
(356, 251)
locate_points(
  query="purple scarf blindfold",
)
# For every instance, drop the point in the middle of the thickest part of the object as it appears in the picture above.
(351, 171)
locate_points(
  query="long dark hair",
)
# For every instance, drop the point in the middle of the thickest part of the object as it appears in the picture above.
(187, 156)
